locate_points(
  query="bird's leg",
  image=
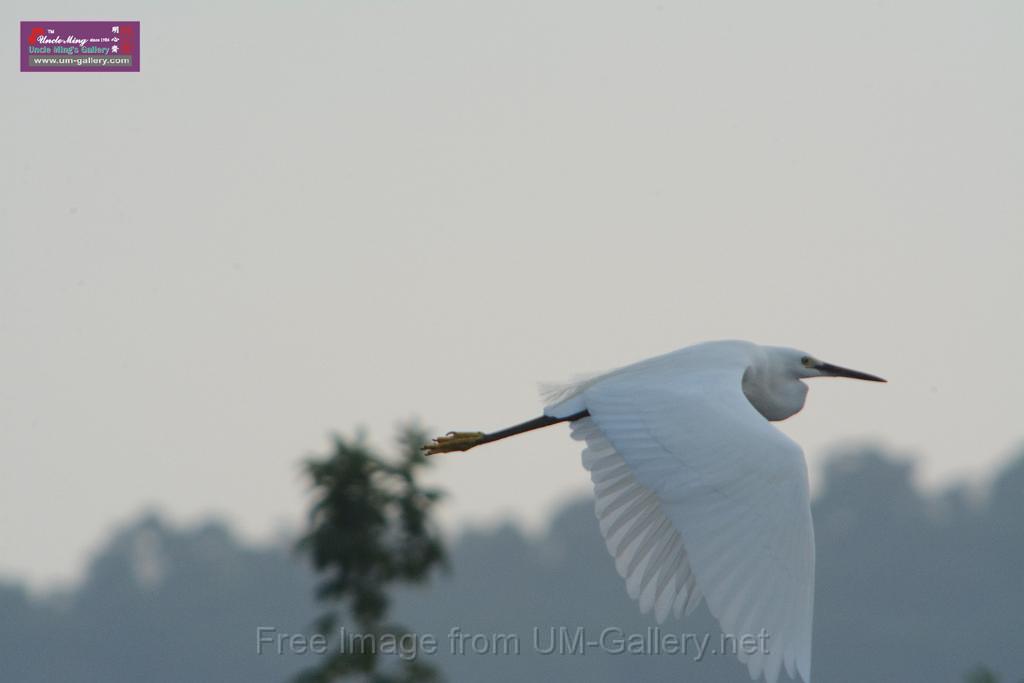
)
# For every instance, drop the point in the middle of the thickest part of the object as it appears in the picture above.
(463, 441)
(454, 441)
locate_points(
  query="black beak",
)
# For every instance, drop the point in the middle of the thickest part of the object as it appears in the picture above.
(836, 371)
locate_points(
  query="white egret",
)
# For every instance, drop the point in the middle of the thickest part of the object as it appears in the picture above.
(697, 494)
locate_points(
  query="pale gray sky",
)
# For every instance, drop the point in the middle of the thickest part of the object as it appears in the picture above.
(301, 218)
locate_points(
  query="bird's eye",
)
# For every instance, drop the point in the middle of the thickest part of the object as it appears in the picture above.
(806, 360)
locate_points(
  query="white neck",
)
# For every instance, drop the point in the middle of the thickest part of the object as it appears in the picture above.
(774, 394)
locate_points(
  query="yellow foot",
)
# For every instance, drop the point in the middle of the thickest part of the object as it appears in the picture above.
(454, 441)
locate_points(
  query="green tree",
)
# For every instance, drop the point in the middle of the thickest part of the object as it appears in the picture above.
(370, 528)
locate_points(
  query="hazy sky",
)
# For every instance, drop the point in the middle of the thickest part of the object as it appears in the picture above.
(306, 217)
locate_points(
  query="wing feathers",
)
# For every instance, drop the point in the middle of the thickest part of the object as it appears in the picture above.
(649, 553)
(697, 495)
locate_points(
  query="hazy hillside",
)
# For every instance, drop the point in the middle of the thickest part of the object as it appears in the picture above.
(910, 588)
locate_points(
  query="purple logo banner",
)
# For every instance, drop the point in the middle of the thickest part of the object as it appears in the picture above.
(80, 46)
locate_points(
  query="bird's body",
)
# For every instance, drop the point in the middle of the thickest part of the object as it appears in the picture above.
(697, 494)
(772, 393)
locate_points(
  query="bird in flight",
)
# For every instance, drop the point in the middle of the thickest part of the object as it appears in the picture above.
(697, 495)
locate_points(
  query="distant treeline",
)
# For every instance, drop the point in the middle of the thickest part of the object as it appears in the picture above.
(910, 587)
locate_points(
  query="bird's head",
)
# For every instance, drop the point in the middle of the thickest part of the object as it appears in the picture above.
(804, 365)
(774, 382)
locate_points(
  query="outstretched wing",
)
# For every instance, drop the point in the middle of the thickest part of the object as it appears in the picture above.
(698, 494)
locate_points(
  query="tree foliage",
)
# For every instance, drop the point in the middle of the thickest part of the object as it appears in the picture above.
(370, 528)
